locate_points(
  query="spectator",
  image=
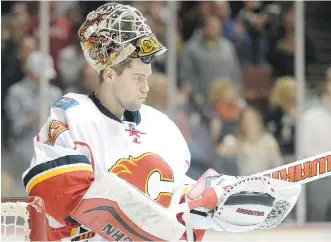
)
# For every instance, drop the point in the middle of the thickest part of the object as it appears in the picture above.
(64, 7)
(281, 118)
(13, 55)
(28, 45)
(22, 105)
(316, 131)
(234, 31)
(21, 11)
(59, 32)
(207, 56)
(282, 48)
(71, 61)
(157, 95)
(254, 149)
(255, 23)
(191, 15)
(227, 106)
(88, 81)
(10, 65)
(75, 14)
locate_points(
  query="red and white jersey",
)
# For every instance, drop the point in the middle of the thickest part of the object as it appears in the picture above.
(82, 139)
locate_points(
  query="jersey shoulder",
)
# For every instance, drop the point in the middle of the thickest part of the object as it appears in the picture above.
(75, 107)
(152, 115)
(157, 119)
(70, 100)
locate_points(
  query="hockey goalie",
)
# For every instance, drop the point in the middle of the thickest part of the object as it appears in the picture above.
(109, 167)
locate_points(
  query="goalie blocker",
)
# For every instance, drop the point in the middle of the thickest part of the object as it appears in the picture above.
(133, 217)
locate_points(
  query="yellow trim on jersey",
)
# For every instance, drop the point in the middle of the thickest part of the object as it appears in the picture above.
(55, 172)
(186, 190)
(74, 232)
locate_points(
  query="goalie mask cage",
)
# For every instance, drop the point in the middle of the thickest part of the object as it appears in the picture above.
(23, 219)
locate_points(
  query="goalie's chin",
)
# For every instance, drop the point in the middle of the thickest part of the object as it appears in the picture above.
(134, 107)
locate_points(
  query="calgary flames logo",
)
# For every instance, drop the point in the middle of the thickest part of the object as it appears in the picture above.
(54, 130)
(149, 173)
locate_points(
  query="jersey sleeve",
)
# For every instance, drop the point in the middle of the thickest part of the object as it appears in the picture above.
(59, 173)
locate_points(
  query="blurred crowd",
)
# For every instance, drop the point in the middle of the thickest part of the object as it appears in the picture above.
(236, 90)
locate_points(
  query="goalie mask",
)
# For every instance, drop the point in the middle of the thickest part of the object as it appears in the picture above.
(115, 32)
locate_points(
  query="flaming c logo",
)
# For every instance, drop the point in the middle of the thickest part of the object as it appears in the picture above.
(143, 172)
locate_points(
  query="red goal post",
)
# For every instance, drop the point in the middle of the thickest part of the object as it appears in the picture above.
(23, 218)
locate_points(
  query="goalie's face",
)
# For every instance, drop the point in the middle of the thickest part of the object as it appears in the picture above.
(131, 87)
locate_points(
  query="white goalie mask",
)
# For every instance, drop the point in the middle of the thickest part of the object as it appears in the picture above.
(115, 32)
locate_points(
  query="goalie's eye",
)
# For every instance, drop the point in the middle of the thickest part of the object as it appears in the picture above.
(139, 77)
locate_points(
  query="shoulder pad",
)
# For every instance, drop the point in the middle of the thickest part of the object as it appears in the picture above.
(65, 103)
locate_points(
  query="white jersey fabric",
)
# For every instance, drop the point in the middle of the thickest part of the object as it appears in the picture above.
(82, 139)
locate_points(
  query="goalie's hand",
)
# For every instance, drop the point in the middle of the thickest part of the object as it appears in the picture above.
(240, 204)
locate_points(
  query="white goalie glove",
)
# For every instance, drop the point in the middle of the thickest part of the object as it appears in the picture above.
(243, 203)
